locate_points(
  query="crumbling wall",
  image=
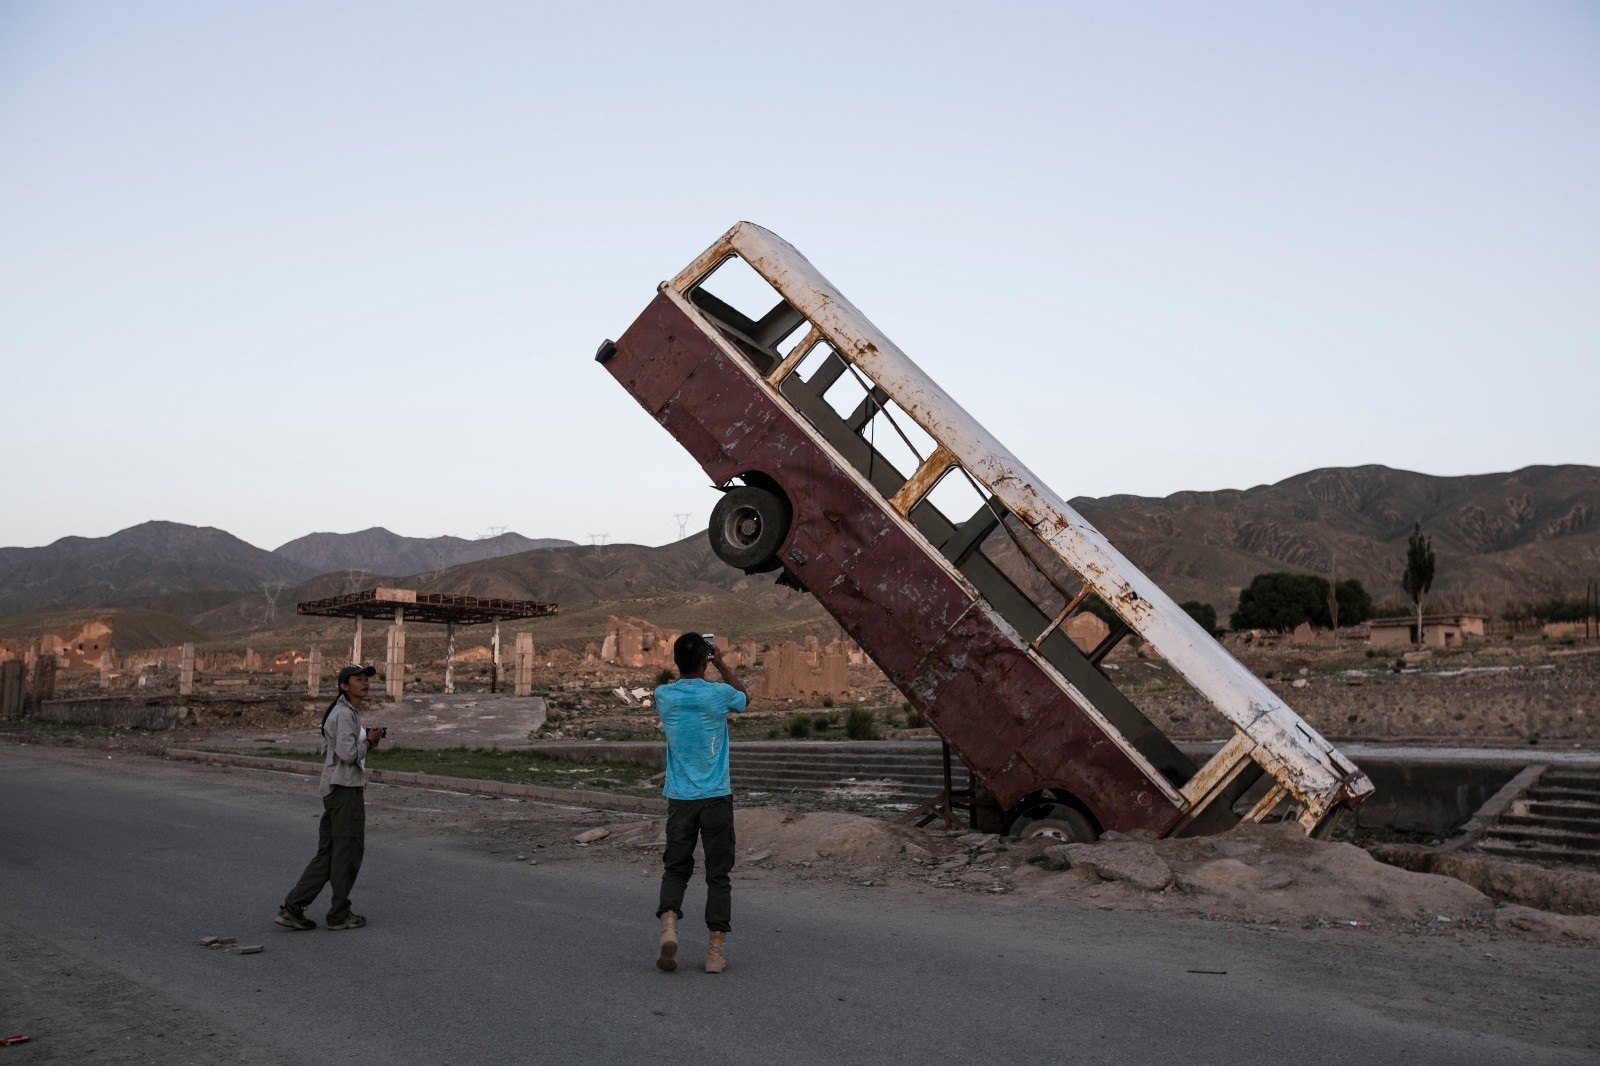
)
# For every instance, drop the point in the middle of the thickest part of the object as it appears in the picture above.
(633, 642)
(793, 671)
(75, 647)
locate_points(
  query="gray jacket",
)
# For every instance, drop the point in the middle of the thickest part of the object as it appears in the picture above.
(344, 759)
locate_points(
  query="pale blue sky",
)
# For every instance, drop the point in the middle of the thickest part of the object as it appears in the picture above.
(254, 253)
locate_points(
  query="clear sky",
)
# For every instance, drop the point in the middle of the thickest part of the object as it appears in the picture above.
(285, 267)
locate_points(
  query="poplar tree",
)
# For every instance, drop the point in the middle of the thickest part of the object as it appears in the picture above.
(1418, 578)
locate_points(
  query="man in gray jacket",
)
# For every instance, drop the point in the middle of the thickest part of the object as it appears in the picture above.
(341, 838)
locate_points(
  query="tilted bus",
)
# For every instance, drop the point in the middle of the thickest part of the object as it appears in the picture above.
(852, 475)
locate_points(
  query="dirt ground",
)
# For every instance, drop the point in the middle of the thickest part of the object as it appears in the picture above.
(1427, 940)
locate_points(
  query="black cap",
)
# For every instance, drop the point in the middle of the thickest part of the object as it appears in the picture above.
(356, 671)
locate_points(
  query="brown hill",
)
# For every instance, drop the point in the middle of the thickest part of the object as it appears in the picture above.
(379, 551)
(1530, 535)
(152, 559)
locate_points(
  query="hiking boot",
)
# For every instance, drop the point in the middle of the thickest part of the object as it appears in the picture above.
(290, 918)
(714, 957)
(350, 921)
(667, 958)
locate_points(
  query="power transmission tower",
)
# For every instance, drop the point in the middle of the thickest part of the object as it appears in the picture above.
(683, 525)
(273, 590)
(598, 540)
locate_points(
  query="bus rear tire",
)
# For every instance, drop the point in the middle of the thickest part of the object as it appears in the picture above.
(1056, 821)
(748, 526)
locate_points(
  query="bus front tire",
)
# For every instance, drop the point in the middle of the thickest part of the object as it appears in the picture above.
(1056, 821)
(748, 526)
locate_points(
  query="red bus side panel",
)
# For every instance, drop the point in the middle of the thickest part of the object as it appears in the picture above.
(1014, 726)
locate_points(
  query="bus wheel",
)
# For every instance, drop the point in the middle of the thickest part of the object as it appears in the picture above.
(748, 525)
(1056, 821)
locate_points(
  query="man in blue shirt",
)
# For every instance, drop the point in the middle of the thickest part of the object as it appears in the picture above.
(694, 716)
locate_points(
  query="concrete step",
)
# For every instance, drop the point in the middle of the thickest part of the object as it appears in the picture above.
(1540, 835)
(826, 757)
(1577, 779)
(1553, 821)
(807, 780)
(914, 774)
(1530, 852)
(1543, 793)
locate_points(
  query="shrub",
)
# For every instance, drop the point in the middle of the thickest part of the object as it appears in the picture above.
(800, 728)
(820, 723)
(914, 718)
(827, 701)
(859, 724)
(665, 677)
(772, 734)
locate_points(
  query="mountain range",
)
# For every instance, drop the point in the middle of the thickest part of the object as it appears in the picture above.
(1526, 536)
(157, 559)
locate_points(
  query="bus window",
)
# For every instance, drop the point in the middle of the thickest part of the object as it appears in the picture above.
(897, 440)
(748, 311)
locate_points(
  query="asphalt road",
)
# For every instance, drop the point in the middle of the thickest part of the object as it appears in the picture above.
(111, 876)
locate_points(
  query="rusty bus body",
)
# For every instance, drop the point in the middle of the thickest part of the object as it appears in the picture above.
(963, 612)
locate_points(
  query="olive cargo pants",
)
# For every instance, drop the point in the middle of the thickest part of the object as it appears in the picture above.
(341, 842)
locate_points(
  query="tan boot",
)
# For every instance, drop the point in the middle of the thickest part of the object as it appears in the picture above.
(715, 960)
(667, 959)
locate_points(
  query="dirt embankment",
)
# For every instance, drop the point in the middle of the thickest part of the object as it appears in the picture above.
(1272, 875)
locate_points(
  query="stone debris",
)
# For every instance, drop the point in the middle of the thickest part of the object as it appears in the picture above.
(589, 836)
(251, 949)
(218, 942)
(1134, 862)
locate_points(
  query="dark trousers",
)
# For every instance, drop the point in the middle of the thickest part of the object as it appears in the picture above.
(711, 822)
(341, 842)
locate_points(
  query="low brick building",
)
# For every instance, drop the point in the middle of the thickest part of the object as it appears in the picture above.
(1438, 630)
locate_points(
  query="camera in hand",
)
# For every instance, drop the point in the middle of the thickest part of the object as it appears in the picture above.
(377, 732)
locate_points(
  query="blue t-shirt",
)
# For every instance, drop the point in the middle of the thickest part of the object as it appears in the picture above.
(694, 717)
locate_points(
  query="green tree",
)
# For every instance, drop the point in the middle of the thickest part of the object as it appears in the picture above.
(1280, 601)
(1355, 602)
(1418, 578)
(1203, 613)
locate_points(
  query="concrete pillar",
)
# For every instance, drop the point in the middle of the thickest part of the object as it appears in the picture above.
(494, 659)
(355, 645)
(524, 685)
(449, 657)
(13, 688)
(394, 671)
(186, 670)
(314, 673)
(105, 670)
(44, 679)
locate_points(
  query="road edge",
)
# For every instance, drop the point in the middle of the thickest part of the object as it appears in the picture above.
(475, 786)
